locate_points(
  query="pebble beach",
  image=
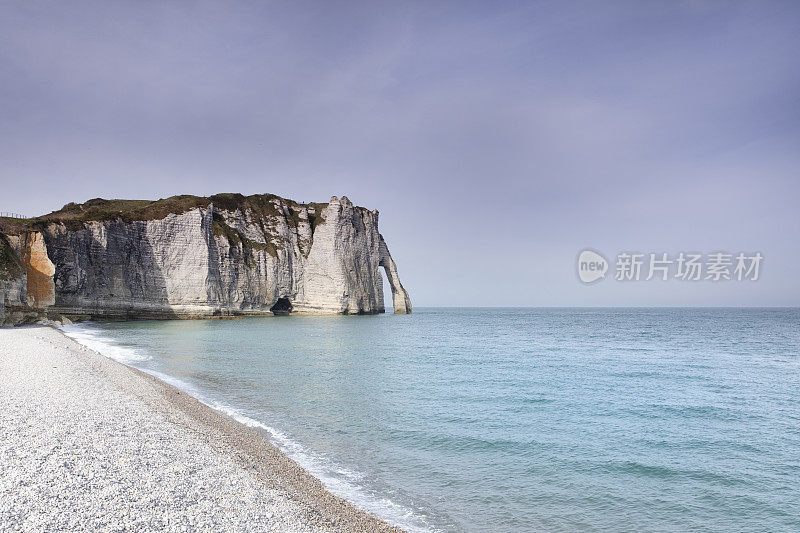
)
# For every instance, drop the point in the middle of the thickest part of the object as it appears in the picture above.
(89, 443)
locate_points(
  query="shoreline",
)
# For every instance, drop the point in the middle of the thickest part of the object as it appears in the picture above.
(247, 447)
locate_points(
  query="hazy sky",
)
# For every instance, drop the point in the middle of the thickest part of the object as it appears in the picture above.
(498, 139)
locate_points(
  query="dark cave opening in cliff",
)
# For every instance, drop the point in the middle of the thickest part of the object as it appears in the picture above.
(282, 307)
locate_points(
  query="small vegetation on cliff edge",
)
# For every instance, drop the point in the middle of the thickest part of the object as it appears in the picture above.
(10, 265)
(221, 229)
(99, 209)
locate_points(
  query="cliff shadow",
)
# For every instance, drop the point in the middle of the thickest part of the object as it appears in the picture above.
(111, 271)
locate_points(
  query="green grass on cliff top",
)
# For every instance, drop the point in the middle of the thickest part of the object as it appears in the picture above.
(74, 215)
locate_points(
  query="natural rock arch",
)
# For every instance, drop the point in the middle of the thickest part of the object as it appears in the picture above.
(400, 300)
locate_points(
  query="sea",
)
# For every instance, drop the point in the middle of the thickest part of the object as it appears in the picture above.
(509, 419)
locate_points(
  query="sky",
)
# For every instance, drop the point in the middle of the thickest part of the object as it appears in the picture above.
(497, 139)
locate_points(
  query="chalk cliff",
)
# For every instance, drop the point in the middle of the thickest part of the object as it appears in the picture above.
(190, 256)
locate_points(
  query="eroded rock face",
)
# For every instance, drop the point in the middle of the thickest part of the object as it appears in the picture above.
(13, 277)
(39, 269)
(17, 304)
(214, 259)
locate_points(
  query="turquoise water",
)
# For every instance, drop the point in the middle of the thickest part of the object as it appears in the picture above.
(513, 419)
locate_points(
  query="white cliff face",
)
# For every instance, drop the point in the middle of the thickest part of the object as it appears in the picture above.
(119, 268)
(342, 268)
(225, 259)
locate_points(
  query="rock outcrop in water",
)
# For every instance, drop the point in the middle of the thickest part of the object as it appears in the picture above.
(191, 256)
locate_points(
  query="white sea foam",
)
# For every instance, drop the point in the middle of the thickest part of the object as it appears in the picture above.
(340, 481)
(94, 339)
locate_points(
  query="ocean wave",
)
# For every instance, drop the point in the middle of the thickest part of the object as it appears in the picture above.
(340, 481)
(92, 338)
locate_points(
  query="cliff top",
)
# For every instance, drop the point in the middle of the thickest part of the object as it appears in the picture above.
(99, 209)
